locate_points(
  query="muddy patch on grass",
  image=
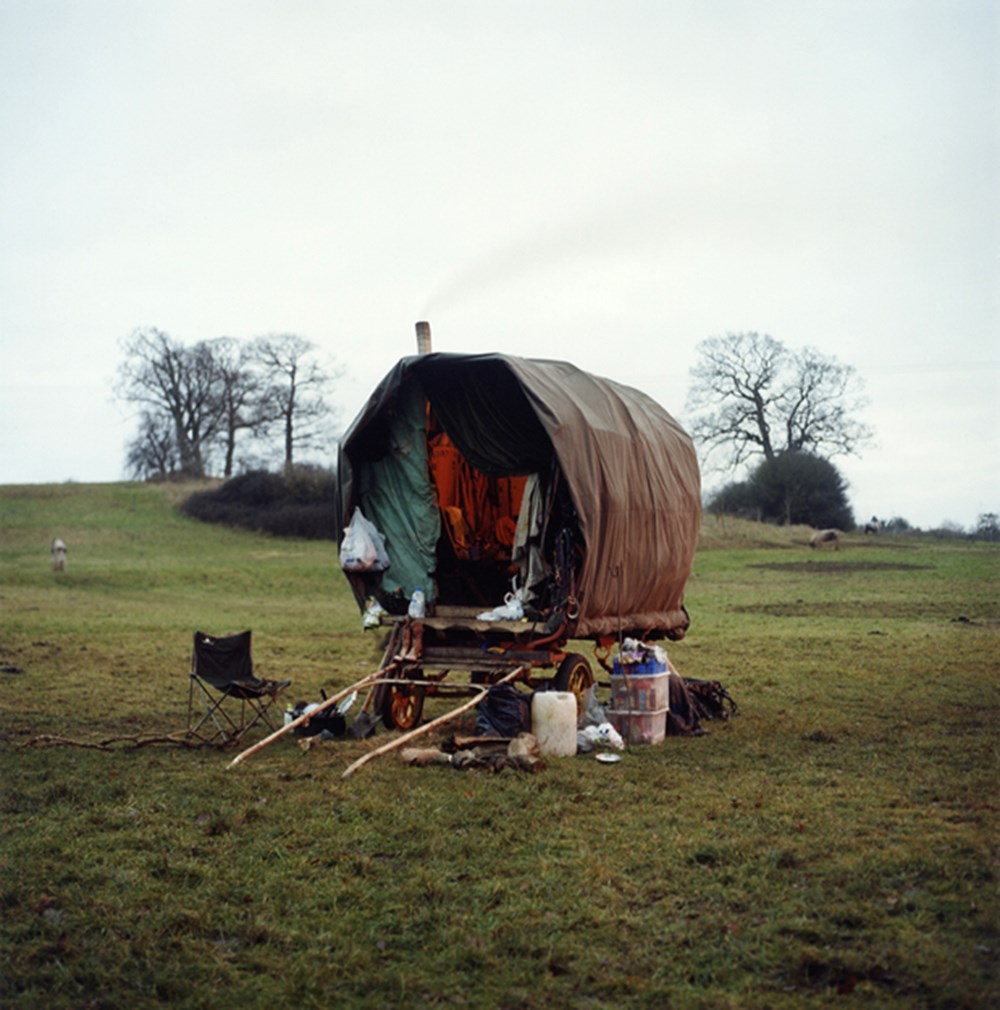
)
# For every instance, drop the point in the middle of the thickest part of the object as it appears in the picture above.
(840, 567)
(865, 610)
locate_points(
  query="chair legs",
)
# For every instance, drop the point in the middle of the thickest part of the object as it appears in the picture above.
(225, 718)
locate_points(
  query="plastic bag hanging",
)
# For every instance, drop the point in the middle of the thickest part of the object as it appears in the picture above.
(363, 547)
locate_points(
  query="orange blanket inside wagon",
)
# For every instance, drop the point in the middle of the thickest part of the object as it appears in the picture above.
(479, 512)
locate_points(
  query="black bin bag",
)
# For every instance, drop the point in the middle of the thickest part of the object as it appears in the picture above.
(505, 711)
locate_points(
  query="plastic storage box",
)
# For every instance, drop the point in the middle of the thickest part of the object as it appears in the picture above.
(639, 727)
(640, 692)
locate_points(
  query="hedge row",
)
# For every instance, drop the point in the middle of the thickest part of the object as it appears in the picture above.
(300, 504)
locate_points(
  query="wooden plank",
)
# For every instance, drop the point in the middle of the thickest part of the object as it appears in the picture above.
(469, 622)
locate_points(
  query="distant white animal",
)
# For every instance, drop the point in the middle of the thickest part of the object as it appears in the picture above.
(59, 550)
(821, 537)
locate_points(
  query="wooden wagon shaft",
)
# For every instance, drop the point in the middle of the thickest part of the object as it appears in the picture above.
(427, 727)
(288, 727)
(388, 665)
(439, 689)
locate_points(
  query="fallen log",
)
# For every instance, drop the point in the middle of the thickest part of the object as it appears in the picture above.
(455, 743)
(423, 756)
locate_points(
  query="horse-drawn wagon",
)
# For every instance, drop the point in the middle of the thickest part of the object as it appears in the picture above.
(532, 504)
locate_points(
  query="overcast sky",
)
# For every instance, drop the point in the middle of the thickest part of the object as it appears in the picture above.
(603, 181)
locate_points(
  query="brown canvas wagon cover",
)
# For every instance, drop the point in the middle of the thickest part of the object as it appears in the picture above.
(630, 469)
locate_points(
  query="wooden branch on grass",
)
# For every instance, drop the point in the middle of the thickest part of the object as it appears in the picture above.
(48, 739)
(136, 741)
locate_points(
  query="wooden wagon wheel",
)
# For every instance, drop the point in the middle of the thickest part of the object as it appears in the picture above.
(402, 706)
(574, 674)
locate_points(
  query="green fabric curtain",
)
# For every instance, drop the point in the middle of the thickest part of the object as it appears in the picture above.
(397, 496)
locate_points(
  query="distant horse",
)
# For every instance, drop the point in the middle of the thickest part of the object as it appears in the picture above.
(821, 537)
(59, 550)
(874, 525)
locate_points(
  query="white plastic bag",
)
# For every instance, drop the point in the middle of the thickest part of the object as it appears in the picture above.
(363, 548)
(604, 735)
(373, 614)
(512, 608)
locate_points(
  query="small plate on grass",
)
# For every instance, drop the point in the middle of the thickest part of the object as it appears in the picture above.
(607, 758)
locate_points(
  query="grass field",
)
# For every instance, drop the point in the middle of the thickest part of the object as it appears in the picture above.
(835, 845)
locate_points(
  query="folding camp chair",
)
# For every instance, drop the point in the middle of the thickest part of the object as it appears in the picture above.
(231, 699)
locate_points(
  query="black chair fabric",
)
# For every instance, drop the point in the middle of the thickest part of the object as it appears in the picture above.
(221, 670)
(223, 661)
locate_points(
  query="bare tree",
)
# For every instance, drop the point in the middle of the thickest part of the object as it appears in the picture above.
(181, 383)
(240, 392)
(153, 452)
(196, 401)
(751, 396)
(296, 387)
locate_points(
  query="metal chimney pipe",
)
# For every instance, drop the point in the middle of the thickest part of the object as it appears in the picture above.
(423, 338)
